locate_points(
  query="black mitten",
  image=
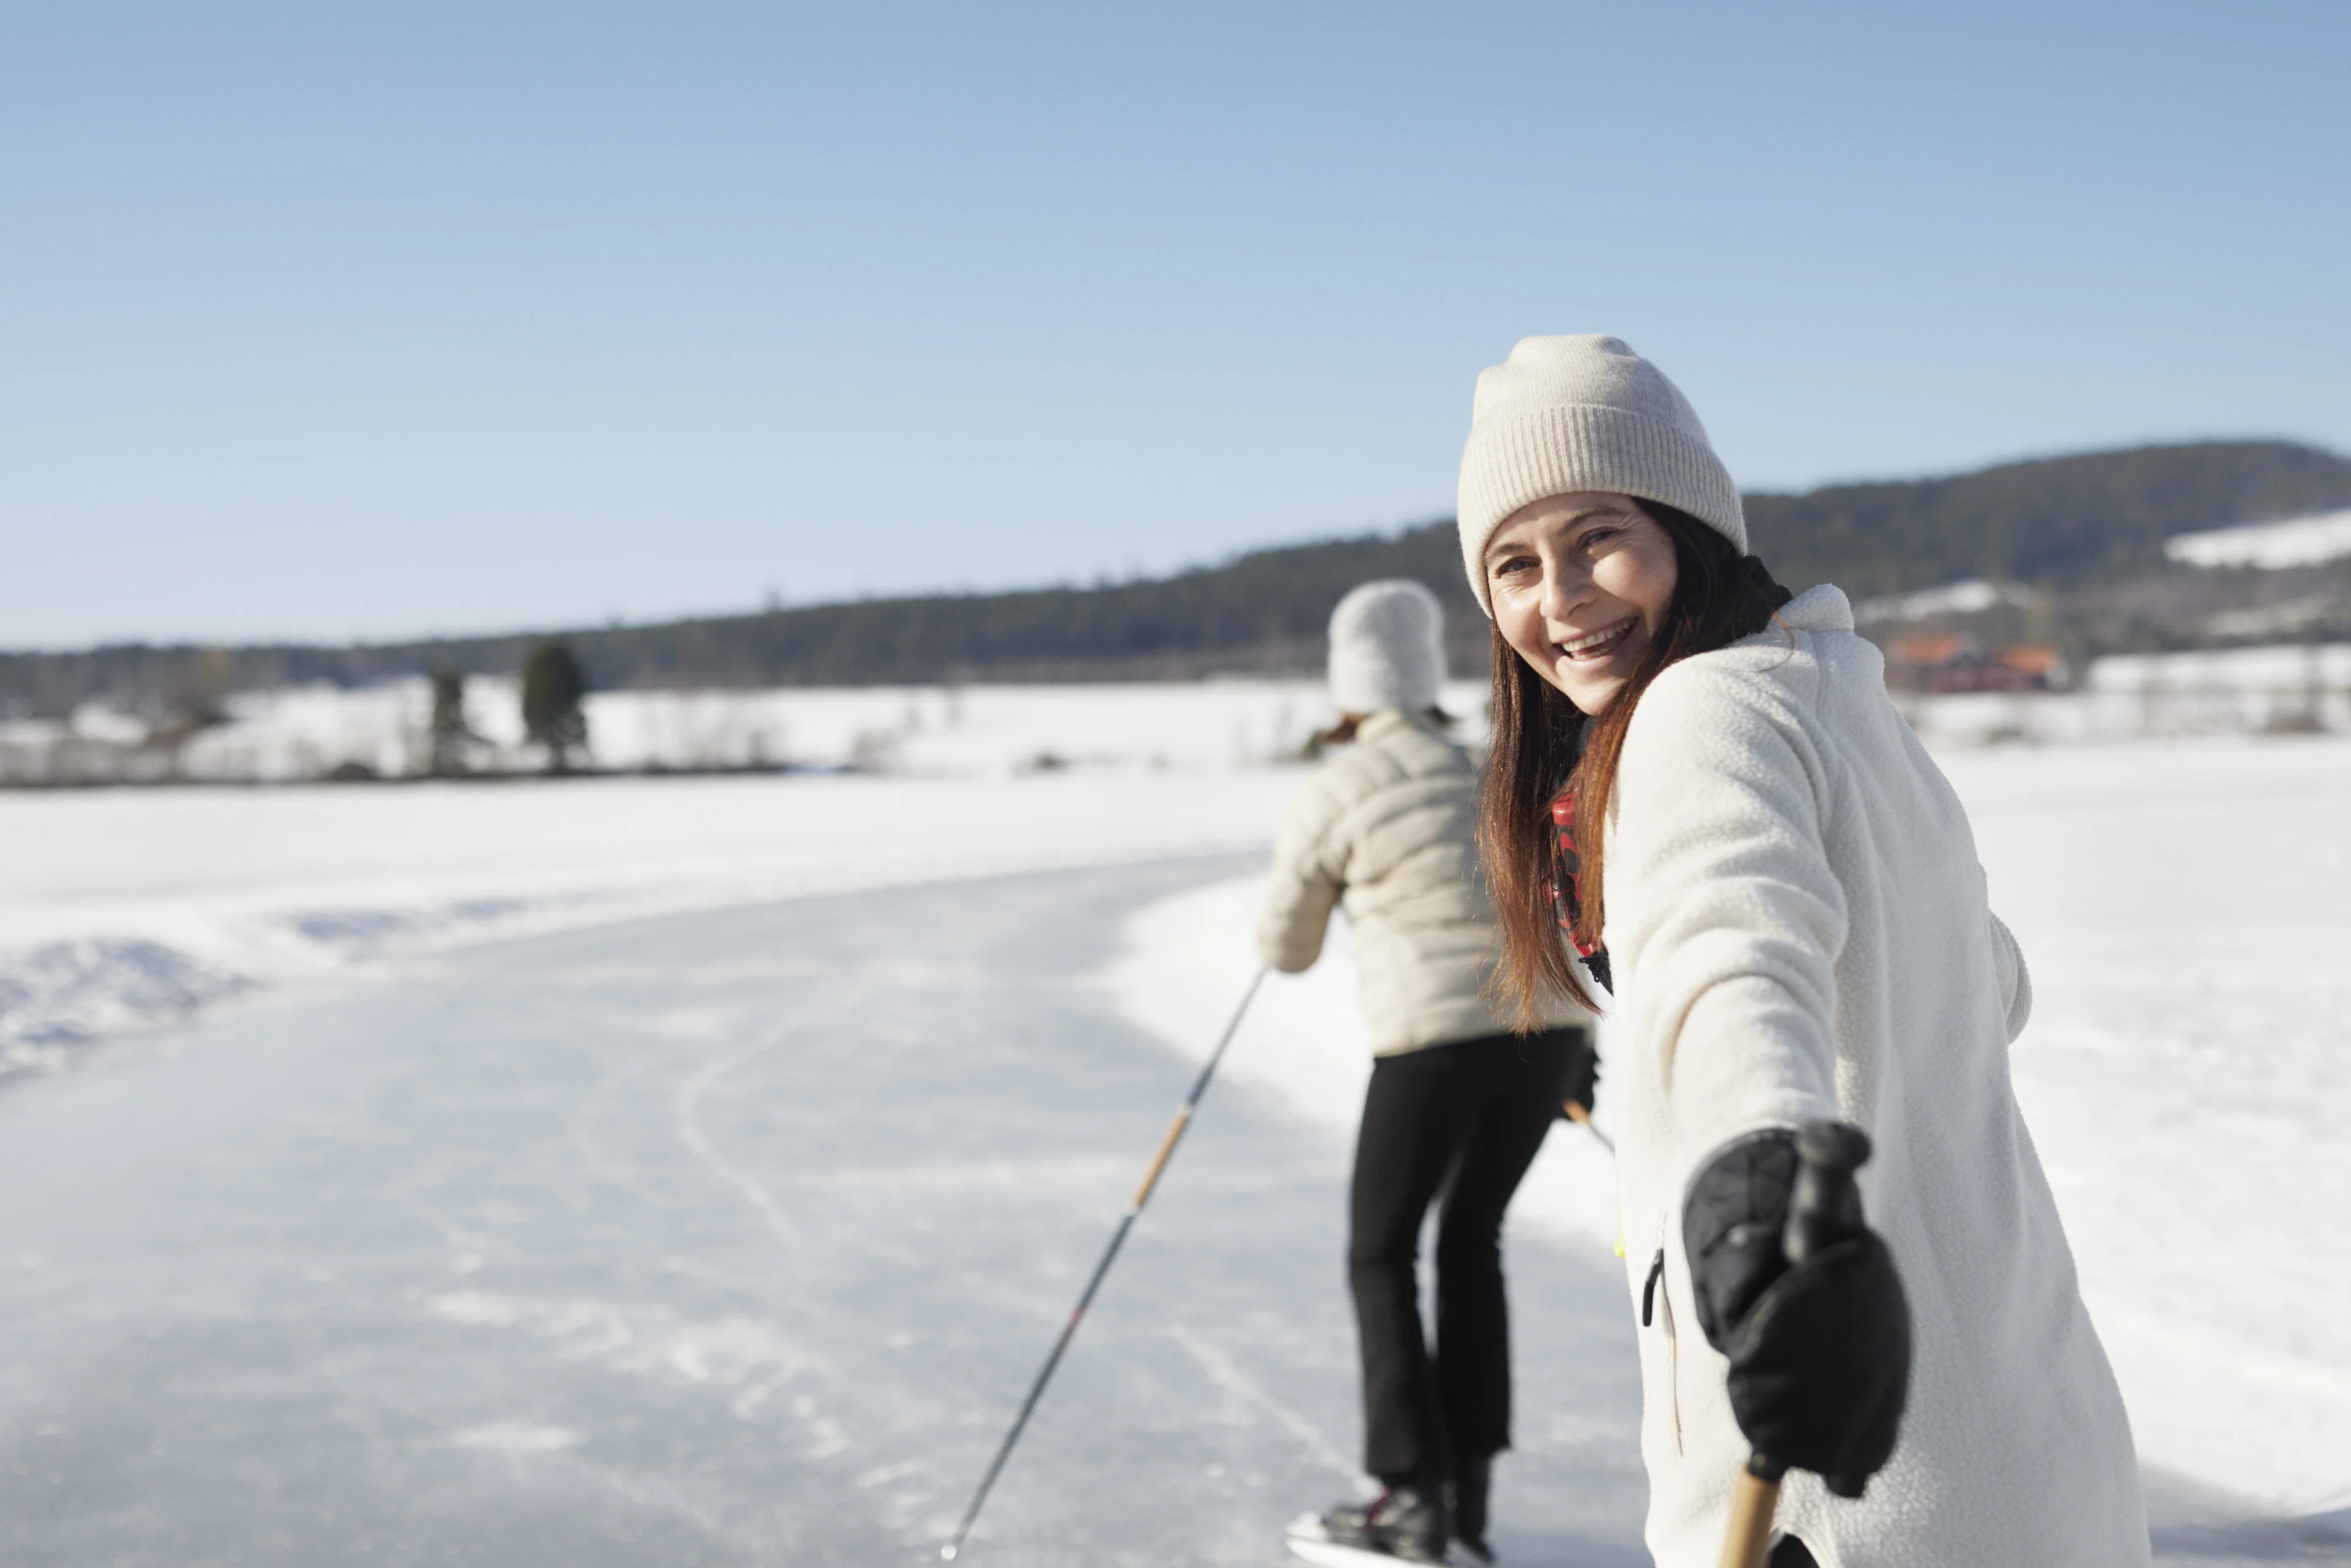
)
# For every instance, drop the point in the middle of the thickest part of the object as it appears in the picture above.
(1819, 1352)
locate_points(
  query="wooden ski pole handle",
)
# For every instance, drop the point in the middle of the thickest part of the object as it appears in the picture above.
(1754, 1501)
(1581, 1115)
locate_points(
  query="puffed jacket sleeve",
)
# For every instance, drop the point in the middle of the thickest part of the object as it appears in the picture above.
(1308, 874)
(1725, 916)
(2015, 979)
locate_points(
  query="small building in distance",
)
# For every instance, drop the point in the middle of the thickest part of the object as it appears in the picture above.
(1956, 662)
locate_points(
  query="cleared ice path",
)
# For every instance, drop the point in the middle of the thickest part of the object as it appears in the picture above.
(723, 1238)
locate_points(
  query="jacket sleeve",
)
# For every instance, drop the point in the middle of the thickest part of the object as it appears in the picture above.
(2015, 979)
(1308, 877)
(1724, 915)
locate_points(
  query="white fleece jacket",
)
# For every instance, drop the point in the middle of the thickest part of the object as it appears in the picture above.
(1799, 928)
(1388, 828)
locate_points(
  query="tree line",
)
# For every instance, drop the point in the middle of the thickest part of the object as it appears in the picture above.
(2062, 524)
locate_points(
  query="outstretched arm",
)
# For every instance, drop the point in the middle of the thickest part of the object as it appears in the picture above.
(1728, 929)
(1724, 916)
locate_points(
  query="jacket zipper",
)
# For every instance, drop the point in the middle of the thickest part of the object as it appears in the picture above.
(1650, 1291)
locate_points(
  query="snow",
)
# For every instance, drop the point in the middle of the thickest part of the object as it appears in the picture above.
(1002, 731)
(988, 731)
(2322, 666)
(2298, 687)
(1954, 599)
(2185, 908)
(2270, 547)
(128, 907)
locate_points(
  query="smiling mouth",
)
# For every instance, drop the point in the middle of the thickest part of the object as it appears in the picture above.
(1597, 645)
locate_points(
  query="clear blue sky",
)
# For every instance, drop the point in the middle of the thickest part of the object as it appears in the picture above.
(376, 320)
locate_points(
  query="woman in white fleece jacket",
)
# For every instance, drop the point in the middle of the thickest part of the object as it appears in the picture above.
(1457, 1104)
(1707, 785)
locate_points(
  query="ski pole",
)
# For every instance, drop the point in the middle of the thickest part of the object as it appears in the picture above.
(1827, 1154)
(1159, 1159)
(1581, 1115)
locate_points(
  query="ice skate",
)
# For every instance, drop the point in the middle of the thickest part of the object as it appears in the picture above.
(1403, 1524)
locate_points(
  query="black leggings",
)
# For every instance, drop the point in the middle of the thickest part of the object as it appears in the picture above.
(1456, 1124)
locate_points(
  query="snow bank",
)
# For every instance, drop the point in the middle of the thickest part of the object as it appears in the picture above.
(129, 907)
(121, 908)
(2186, 909)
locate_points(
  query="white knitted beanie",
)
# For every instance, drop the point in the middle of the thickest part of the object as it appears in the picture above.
(1584, 413)
(1388, 648)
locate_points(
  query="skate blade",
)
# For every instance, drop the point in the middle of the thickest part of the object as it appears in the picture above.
(1308, 1539)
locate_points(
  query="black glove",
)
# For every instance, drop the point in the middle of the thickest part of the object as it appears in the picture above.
(1820, 1352)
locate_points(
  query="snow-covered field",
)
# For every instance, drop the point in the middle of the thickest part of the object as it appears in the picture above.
(2302, 689)
(986, 731)
(2186, 906)
(1006, 731)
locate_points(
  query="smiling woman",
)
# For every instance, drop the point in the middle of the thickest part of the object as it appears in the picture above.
(1704, 780)
(1580, 585)
(1595, 593)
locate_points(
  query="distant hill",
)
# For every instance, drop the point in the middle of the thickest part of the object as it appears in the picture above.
(2062, 523)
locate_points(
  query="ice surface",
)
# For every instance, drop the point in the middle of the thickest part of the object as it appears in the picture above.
(730, 1238)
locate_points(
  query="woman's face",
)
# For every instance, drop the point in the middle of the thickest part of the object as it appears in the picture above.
(1580, 585)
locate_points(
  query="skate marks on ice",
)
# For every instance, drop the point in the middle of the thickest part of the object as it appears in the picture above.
(731, 1239)
(724, 1239)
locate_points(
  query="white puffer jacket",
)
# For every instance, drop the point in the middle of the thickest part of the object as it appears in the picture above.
(1388, 829)
(1799, 928)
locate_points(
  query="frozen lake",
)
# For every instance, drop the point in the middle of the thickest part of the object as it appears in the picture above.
(540, 1182)
(726, 1239)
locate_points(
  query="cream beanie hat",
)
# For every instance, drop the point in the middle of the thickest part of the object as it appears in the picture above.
(1584, 413)
(1388, 648)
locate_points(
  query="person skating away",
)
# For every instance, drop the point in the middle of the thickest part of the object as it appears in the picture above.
(1705, 782)
(1457, 1102)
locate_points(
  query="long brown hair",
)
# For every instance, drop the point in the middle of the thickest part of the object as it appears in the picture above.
(1542, 744)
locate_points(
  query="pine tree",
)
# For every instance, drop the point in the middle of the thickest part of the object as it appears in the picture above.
(449, 733)
(552, 687)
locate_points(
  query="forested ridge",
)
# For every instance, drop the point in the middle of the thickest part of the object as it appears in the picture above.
(2064, 524)
(2059, 522)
